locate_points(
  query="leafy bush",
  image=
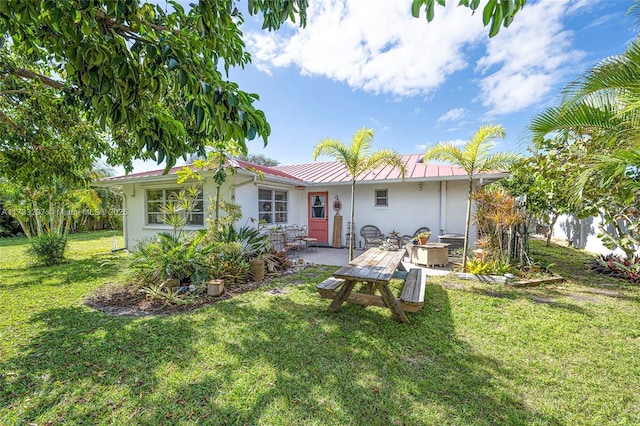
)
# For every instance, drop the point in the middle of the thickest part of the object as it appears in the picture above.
(230, 264)
(160, 291)
(48, 249)
(253, 242)
(171, 256)
(617, 266)
(488, 267)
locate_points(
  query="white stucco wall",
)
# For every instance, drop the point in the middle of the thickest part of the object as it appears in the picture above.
(410, 207)
(582, 233)
(135, 227)
(439, 205)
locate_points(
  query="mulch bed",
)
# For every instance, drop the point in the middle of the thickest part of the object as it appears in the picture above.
(128, 300)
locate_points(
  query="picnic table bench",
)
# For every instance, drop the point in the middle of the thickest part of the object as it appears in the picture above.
(375, 268)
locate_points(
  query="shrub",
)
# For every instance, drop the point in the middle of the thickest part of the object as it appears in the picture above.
(229, 263)
(48, 249)
(171, 256)
(488, 267)
(253, 242)
(617, 266)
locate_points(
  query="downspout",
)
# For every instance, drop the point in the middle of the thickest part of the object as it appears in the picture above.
(125, 223)
(232, 188)
(443, 207)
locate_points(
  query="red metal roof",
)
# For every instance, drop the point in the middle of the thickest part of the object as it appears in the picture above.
(245, 165)
(332, 172)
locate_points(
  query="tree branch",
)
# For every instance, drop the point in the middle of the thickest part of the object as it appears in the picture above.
(28, 74)
(9, 122)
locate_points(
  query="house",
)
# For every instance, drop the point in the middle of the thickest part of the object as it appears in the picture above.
(307, 194)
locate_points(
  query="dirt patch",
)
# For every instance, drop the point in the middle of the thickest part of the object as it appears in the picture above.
(454, 286)
(498, 294)
(585, 298)
(544, 300)
(277, 291)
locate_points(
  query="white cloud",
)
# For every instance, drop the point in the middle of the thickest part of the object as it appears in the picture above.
(531, 61)
(376, 46)
(373, 46)
(452, 115)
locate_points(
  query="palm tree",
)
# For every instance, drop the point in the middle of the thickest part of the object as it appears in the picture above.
(358, 159)
(475, 158)
(600, 112)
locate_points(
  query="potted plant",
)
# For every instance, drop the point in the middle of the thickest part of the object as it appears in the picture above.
(423, 237)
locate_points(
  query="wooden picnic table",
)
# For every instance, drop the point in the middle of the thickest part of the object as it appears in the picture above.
(375, 267)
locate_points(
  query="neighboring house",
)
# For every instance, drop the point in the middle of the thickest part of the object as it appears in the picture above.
(304, 194)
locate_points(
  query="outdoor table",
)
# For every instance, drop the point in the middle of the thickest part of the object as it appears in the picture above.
(375, 267)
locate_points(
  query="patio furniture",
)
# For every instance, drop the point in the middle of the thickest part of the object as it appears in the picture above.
(430, 254)
(454, 240)
(406, 239)
(375, 267)
(303, 239)
(372, 235)
(289, 240)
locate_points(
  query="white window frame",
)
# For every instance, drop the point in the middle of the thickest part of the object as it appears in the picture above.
(198, 212)
(377, 198)
(273, 205)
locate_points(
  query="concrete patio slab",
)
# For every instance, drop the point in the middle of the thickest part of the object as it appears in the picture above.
(340, 257)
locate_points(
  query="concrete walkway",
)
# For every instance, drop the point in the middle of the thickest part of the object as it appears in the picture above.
(340, 257)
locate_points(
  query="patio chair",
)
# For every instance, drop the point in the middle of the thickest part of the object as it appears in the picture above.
(289, 241)
(406, 239)
(372, 236)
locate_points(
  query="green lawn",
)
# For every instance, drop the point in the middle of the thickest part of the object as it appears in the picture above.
(481, 355)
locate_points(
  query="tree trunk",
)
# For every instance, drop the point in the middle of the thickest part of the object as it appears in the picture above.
(352, 236)
(551, 225)
(466, 228)
(217, 218)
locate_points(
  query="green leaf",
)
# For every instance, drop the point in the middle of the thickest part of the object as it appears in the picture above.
(430, 11)
(488, 12)
(199, 112)
(173, 64)
(182, 78)
(415, 8)
(233, 99)
(496, 22)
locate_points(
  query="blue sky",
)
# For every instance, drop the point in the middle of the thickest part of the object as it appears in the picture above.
(366, 63)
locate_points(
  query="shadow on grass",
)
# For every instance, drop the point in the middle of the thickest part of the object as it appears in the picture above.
(80, 352)
(280, 359)
(356, 366)
(70, 271)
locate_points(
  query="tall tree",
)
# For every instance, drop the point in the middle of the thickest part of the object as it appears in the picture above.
(474, 158)
(542, 177)
(497, 12)
(260, 159)
(219, 158)
(120, 60)
(599, 119)
(358, 159)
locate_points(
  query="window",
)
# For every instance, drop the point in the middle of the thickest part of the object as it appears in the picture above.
(272, 205)
(157, 199)
(382, 198)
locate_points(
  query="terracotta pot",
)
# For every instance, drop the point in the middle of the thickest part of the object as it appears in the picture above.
(422, 240)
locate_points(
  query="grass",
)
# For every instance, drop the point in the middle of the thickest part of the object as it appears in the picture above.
(479, 354)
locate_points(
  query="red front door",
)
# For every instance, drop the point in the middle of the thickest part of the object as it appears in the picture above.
(318, 216)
